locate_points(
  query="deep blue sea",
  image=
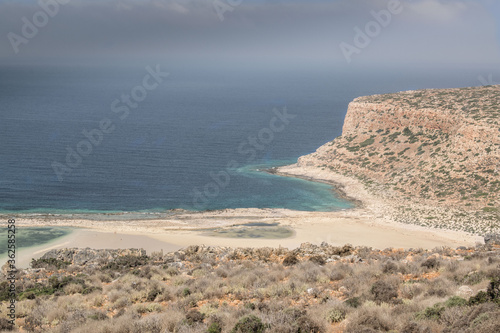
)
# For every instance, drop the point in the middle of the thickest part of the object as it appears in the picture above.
(199, 140)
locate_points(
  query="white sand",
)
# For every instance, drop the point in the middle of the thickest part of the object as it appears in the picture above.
(366, 225)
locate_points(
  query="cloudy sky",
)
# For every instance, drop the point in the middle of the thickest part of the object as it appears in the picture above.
(250, 31)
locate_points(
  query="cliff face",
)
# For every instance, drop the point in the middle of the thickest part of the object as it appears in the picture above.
(438, 147)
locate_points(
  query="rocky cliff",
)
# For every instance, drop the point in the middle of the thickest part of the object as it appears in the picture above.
(435, 153)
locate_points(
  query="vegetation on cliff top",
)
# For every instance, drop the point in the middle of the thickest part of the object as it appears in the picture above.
(439, 148)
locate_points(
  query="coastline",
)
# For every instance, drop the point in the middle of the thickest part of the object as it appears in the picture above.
(338, 184)
(366, 224)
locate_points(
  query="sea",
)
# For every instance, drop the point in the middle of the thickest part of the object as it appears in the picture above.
(103, 139)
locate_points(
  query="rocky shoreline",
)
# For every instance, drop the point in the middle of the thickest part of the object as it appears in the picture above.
(431, 157)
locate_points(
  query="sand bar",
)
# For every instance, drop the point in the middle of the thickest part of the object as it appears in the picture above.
(367, 225)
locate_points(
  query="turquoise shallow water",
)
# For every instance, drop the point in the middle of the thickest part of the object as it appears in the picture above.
(31, 236)
(195, 142)
(191, 144)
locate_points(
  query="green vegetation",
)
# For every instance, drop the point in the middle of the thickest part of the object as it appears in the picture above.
(425, 146)
(49, 263)
(367, 142)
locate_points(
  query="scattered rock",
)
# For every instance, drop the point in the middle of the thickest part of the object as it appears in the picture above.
(492, 239)
(81, 257)
(465, 292)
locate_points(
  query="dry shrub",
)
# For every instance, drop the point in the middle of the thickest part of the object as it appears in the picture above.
(343, 251)
(172, 271)
(105, 277)
(406, 309)
(148, 324)
(472, 318)
(307, 272)
(317, 259)
(389, 267)
(5, 325)
(113, 295)
(194, 316)
(452, 315)
(96, 300)
(439, 287)
(222, 272)
(173, 319)
(489, 325)
(290, 320)
(452, 266)
(415, 327)
(73, 288)
(25, 307)
(290, 260)
(56, 314)
(277, 270)
(336, 315)
(368, 319)
(384, 291)
(263, 253)
(411, 290)
(121, 302)
(413, 268)
(306, 324)
(359, 282)
(249, 280)
(249, 324)
(431, 263)
(339, 271)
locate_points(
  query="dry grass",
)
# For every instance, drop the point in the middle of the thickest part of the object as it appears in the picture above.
(363, 291)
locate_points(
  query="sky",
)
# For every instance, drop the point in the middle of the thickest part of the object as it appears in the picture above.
(251, 32)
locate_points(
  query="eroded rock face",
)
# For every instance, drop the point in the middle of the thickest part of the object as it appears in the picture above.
(440, 147)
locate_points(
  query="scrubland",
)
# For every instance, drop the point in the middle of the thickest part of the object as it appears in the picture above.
(309, 289)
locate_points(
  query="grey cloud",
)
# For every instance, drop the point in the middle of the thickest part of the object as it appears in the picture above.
(258, 31)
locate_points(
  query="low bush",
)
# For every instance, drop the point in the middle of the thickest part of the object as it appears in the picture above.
(194, 316)
(50, 263)
(318, 260)
(249, 324)
(336, 315)
(431, 263)
(247, 290)
(214, 328)
(305, 324)
(126, 261)
(5, 325)
(370, 320)
(384, 291)
(353, 302)
(290, 260)
(455, 301)
(432, 312)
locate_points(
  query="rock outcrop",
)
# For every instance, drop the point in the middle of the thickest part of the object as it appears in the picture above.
(435, 153)
(81, 257)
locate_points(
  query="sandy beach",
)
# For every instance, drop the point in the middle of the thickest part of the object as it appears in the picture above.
(367, 224)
